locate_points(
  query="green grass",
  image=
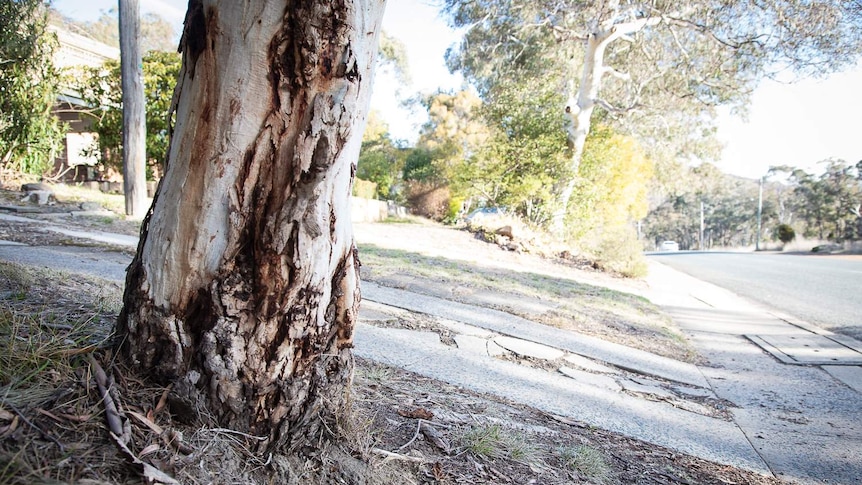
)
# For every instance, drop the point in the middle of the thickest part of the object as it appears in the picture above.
(587, 461)
(496, 442)
(49, 321)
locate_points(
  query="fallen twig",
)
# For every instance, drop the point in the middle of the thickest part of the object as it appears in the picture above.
(150, 473)
(32, 425)
(433, 435)
(397, 456)
(113, 416)
(415, 435)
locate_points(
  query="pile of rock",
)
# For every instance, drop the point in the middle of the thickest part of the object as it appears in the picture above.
(38, 193)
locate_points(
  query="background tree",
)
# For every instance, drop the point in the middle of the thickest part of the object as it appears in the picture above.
(244, 289)
(100, 88)
(30, 135)
(661, 66)
(522, 154)
(727, 203)
(381, 160)
(433, 175)
(829, 204)
(157, 34)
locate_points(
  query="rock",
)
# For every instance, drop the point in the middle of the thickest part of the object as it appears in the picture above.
(40, 197)
(37, 187)
(505, 231)
(91, 206)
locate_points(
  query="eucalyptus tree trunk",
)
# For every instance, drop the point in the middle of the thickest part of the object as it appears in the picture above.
(579, 112)
(583, 101)
(244, 290)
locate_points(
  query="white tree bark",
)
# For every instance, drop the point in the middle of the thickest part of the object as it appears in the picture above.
(580, 107)
(244, 291)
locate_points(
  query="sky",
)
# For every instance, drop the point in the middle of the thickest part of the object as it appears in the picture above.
(795, 124)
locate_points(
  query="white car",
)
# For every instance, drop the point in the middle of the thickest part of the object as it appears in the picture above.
(668, 246)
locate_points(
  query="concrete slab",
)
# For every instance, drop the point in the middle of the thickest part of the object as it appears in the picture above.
(464, 329)
(849, 375)
(632, 386)
(802, 422)
(529, 349)
(18, 208)
(118, 239)
(618, 355)
(11, 218)
(472, 344)
(589, 364)
(802, 348)
(104, 264)
(652, 421)
(591, 379)
(372, 310)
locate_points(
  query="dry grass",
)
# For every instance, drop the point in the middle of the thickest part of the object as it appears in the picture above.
(53, 427)
(594, 310)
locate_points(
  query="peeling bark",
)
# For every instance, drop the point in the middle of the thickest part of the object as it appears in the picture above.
(244, 289)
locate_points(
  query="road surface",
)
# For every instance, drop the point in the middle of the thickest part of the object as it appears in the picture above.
(820, 289)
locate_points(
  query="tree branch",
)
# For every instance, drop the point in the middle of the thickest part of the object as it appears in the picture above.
(613, 109)
(617, 74)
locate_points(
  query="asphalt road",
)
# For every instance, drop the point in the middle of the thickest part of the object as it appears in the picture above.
(822, 290)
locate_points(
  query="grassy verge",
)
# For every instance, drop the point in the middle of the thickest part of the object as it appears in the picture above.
(553, 300)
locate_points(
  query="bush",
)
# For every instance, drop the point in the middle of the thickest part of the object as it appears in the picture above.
(618, 250)
(428, 199)
(785, 233)
(364, 189)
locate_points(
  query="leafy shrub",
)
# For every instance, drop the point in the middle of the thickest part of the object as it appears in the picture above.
(428, 199)
(364, 188)
(617, 249)
(785, 233)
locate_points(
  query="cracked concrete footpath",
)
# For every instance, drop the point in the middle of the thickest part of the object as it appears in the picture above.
(805, 421)
(797, 422)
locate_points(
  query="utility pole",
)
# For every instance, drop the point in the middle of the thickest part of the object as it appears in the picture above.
(759, 215)
(134, 124)
(701, 226)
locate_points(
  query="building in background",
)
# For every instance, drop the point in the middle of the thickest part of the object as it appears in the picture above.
(75, 53)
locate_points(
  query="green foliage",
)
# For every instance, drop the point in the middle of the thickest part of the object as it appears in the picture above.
(613, 183)
(829, 204)
(729, 210)
(364, 189)
(419, 166)
(618, 250)
(392, 52)
(587, 461)
(525, 153)
(30, 135)
(380, 159)
(493, 442)
(785, 233)
(100, 87)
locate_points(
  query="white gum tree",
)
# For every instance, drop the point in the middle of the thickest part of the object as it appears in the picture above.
(244, 290)
(664, 63)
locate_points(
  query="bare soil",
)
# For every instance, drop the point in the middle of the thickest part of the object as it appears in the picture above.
(402, 428)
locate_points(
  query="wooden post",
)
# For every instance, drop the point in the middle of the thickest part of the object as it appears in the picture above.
(134, 124)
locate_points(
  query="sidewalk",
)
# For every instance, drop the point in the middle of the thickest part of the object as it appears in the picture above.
(745, 408)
